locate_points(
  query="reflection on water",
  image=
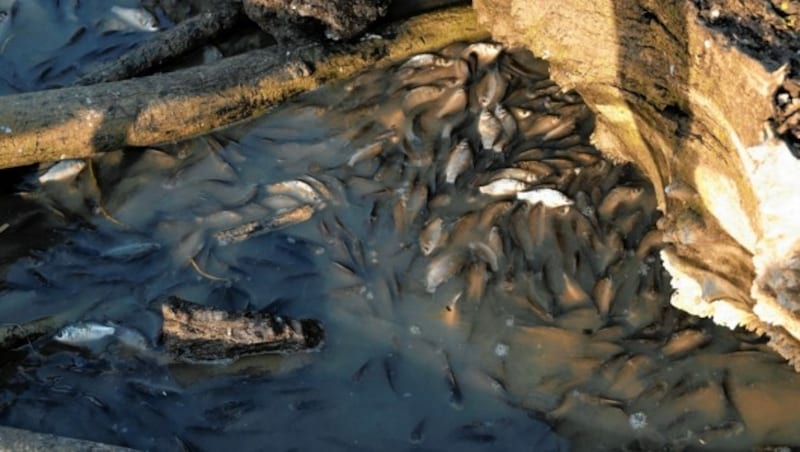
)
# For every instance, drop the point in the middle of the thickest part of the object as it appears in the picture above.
(483, 274)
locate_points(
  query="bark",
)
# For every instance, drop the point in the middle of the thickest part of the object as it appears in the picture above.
(195, 333)
(77, 122)
(691, 110)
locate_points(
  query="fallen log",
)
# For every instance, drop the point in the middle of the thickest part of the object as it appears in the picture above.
(77, 122)
(194, 333)
(692, 110)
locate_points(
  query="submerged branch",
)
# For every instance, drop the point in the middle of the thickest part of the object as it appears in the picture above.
(167, 45)
(79, 121)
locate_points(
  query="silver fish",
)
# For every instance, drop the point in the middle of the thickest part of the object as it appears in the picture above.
(83, 333)
(458, 162)
(548, 197)
(63, 170)
(489, 129)
(301, 190)
(484, 52)
(422, 60)
(503, 187)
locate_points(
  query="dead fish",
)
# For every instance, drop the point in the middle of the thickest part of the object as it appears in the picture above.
(63, 170)
(84, 332)
(301, 190)
(432, 236)
(489, 129)
(136, 18)
(458, 162)
(504, 187)
(548, 197)
(442, 267)
(564, 128)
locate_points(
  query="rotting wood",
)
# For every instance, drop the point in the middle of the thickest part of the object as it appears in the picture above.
(167, 45)
(690, 109)
(77, 122)
(196, 334)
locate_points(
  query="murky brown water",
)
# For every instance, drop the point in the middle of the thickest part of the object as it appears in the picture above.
(513, 315)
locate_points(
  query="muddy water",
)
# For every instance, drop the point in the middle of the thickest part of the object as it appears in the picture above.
(486, 280)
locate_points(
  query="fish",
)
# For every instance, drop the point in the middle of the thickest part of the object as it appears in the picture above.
(458, 161)
(82, 333)
(476, 281)
(456, 397)
(299, 189)
(131, 251)
(504, 187)
(603, 295)
(490, 89)
(442, 267)
(508, 123)
(418, 433)
(420, 96)
(548, 197)
(485, 53)
(62, 170)
(486, 254)
(489, 129)
(451, 103)
(433, 236)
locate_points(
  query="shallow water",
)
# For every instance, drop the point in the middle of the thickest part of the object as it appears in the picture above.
(541, 318)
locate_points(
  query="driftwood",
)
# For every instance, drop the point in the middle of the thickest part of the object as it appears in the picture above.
(681, 101)
(195, 333)
(179, 40)
(79, 121)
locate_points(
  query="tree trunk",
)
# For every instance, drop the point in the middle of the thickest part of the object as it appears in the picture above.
(691, 110)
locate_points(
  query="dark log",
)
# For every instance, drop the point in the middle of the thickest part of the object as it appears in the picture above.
(195, 333)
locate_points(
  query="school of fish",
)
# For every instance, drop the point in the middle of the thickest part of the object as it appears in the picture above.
(462, 183)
